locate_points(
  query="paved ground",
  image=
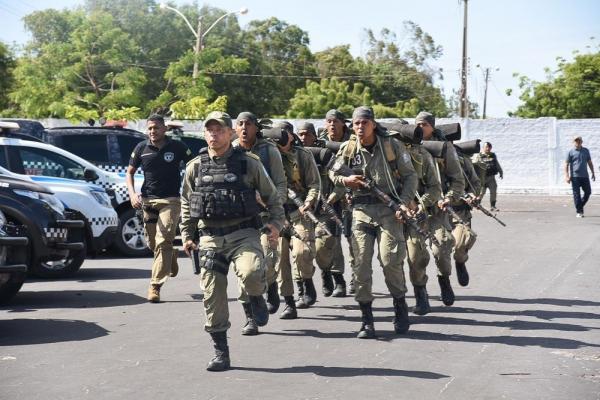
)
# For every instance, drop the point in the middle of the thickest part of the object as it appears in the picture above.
(527, 327)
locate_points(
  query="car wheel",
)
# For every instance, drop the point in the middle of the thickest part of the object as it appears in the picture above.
(130, 240)
(10, 284)
(64, 267)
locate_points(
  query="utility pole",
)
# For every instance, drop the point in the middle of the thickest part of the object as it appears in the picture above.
(487, 79)
(464, 103)
(198, 48)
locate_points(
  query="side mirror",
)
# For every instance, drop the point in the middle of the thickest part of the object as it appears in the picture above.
(89, 175)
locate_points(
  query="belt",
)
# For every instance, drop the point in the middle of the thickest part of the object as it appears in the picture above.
(364, 200)
(226, 230)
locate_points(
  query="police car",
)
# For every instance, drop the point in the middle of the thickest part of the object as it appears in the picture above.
(34, 158)
(13, 258)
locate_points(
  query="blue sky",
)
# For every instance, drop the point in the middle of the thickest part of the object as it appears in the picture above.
(515, 36)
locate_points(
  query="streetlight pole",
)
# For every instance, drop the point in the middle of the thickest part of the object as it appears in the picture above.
(464, 102)
(198, 34)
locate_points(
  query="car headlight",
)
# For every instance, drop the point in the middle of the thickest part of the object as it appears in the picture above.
(101, 197)
(49, 199)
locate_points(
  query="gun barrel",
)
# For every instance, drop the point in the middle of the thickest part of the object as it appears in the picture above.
(195, 256)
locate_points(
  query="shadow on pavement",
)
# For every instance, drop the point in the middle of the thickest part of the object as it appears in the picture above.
(29, 301)
(100, 274)
(541, 314)
(18, 332)
(554, 302)
(342, 372)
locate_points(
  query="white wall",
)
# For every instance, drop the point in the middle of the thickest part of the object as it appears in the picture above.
(531, 151)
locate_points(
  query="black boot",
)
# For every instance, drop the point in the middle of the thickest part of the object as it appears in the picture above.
(422, 301)
(273, 299)
(259, 310)
(221, 360)
(446, 288)
(289, 312)
(367, 330)
(250, 329)
(340, 286)
(300, 303)
(327, 283)
(310, 293)
(462, 274)
(401, 322)
(351, 287)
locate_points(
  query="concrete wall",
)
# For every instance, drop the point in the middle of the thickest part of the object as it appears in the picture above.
(531, 151)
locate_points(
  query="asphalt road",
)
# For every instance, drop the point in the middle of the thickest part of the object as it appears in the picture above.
(527, 327)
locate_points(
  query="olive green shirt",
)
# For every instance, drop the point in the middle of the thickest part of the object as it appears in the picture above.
(473, 184)
(275, 171)
(429, 187)
(375, 166)
(451, 174)
(305, 180)
(255, 177)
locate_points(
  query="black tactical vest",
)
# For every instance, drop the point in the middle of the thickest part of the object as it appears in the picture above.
(491, 167)
(220, 192)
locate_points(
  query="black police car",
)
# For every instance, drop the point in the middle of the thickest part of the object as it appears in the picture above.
(13, 258)
(55, 234)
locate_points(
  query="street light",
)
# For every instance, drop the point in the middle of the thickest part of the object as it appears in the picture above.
(198, 34)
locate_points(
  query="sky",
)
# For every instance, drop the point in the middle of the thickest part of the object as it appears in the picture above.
(508, 36)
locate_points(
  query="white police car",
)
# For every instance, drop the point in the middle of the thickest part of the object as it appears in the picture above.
(25, 155)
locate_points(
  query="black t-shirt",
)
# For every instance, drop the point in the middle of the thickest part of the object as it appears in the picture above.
(161, 167)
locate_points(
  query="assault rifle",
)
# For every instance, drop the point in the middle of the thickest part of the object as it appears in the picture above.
(330, 212)
(292, 195)
(344, 170)
(484, 210)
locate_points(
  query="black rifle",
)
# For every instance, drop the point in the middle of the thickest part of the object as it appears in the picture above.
(195, 256)
(300, 203)
(454, 214)
(344, 170)
(330, 212)
(484, 210)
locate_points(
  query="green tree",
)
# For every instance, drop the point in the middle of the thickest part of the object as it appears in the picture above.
(572, 91)
(7, 64)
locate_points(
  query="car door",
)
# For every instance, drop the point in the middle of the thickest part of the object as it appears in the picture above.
(36, 161)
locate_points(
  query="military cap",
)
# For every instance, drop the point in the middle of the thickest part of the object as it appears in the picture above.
(221, 117)
(363, 112)
(424, 116)
(307, 127)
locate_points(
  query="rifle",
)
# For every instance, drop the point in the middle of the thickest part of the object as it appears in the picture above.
(194, 255)
(455, 215)
(330, 212)
(299, 203)
(344, 170)
(484, 210)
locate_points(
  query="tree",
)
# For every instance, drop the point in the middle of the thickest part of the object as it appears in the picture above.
(7, 64)
(572, 91)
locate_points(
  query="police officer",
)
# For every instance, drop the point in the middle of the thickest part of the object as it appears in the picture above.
(453, 186)
(488, 161)
(250, 138)
(160, 159)
(429, 193)
(385, 161)
(336, 130)
(219, 199)
(303, 179)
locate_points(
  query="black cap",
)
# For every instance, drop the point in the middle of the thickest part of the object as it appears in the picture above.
(363, 112)
(307, 127)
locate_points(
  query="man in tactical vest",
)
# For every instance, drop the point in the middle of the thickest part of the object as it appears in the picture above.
(336, 130)
(490, 166)
(303, 180)
(429, 193)
(249, 138)
(219, 199)
(384, 162)
(453, 187)
(160, 159)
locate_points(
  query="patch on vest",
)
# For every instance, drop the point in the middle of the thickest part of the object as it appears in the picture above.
(169, 156)
(229, 177)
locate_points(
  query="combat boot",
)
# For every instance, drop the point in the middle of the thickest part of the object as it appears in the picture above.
(340, 286)
(250, 329)
(154, 293)
(273, 299)
(352, 286)
(327, 283)
(300, 303)
(447, 296)
(367, 329)
(401, 322)
(462, 274)
(422, 306)
(289, 312)
(259, 310)
(221, 360)
(310, 293)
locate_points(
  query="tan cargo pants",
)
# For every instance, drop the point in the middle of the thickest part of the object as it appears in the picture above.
(300, 256)
(464, 237)
(244, 252)
(161, 217)
(370, 223)
(328, 249)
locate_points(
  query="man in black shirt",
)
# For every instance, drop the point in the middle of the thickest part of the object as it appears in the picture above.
(160, 159)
